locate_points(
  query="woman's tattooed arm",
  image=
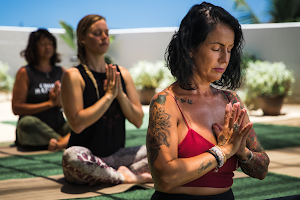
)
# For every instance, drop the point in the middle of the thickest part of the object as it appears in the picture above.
(158, 130)
(258, 166)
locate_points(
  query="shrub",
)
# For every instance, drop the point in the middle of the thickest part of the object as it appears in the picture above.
(264, 78)
(6, 81)
(150, 75)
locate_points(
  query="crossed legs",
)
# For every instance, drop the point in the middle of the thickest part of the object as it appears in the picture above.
(127, 165)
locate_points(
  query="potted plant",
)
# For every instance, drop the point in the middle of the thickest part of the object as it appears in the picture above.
(6, 81)
(250, 101)
(270, 82)
(148, 76)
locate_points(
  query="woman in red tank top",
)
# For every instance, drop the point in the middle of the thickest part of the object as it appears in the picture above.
(198, 134)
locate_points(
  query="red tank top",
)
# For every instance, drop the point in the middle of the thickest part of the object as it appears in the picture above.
(194, 144)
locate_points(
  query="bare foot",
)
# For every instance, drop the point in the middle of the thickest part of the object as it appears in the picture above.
(134, 178)
(52, 144)
(56, 145)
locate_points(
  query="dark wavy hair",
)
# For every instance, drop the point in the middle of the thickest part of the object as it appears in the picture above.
(31, 54)
(194, 29)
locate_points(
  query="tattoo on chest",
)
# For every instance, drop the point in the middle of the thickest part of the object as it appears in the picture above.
(182, 100)
(158, 131)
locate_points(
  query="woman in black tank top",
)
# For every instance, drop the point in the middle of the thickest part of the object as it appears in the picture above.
(36, 96)
(97, 98)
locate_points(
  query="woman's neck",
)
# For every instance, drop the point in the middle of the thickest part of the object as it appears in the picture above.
(204, 89)
(96, 63)
(44, 66)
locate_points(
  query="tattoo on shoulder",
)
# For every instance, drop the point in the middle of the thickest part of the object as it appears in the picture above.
(160, 99)
(233, 97)
(158, 133)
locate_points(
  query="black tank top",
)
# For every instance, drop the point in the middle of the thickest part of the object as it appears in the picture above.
(107, 135)
(38, 91)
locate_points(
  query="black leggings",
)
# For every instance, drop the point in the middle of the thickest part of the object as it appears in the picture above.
(165, 196)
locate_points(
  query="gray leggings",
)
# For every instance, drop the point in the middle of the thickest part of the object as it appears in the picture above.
(80, 166)
(31, 131)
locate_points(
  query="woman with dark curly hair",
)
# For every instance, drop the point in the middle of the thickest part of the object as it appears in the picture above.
(199, 131)
(36, 96)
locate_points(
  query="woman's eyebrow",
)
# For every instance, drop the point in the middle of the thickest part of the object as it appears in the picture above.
(221, 43)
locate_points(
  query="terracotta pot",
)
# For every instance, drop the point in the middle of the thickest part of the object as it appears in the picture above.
(271, 105)
(146, 96)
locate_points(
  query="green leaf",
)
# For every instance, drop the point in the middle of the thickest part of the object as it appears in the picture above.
(69, 37)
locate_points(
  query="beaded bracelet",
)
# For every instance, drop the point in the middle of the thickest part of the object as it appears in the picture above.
(215, 155)
(245, 161)
(220, 156)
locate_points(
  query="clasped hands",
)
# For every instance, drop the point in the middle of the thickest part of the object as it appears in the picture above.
(54, 94)
(112, 83)
(231, 137)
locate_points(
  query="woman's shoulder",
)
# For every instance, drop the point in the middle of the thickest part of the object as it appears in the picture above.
(124, 73)
(232, 96)
(164, 96)
(72, 71)
(122, 69)
(23, 70)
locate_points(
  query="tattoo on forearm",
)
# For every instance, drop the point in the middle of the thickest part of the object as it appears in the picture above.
(158, 133)
(257, 166)
(202, 167)
(260, 162)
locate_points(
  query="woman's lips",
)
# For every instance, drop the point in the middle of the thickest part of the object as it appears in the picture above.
(219, 69)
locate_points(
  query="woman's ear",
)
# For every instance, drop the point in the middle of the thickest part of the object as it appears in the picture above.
(81, 39)
(191, 54)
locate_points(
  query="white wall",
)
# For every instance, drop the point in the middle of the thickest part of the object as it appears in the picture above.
(13, 40)
(132, 45)
(272, 42)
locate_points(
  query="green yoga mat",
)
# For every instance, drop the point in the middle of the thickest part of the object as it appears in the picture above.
(26, 166)
(270, 136)
(272, 186)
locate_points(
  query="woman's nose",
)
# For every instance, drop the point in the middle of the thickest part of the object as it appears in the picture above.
(104, 35)
(224, 57)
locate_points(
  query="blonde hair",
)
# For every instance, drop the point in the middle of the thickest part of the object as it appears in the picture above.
(90, 74)
(83, 25)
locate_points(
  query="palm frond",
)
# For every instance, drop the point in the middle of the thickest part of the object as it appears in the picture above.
(284, 11)
(247, 14)
(69, 36)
